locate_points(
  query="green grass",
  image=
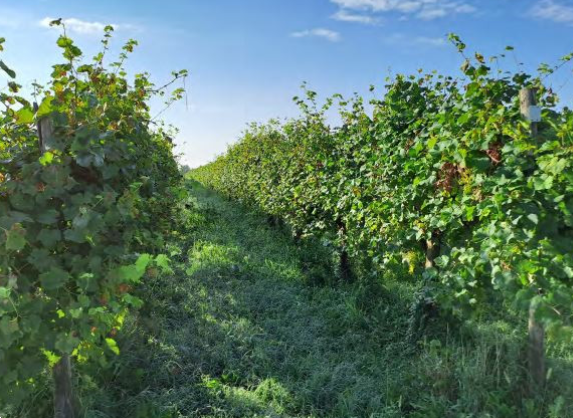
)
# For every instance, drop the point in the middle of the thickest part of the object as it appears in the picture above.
(252, 325)
(257, 340)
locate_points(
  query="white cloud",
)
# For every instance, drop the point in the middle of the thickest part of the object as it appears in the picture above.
(431, 13)
(424, 40)
(415, 41)
(422, 9)
(327, 34)
(554, 11)
(345, 16)
(79, 26)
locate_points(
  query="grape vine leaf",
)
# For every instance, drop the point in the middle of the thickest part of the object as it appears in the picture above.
(15, 238)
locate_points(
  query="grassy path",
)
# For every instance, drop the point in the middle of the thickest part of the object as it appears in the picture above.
(242, 329)
(243, 334)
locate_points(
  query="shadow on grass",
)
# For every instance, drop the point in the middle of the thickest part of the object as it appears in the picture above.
(241, 334)
(238, 332)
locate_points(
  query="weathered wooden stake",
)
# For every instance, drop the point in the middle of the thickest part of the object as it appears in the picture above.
(345, 268)
(529, 109)
(64, 398)
(432, 251)
(536, 352)
(64, 401)
(536, 349)
(45, 131)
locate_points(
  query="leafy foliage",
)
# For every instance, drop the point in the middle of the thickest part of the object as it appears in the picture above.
(79, 211)
(440, 160)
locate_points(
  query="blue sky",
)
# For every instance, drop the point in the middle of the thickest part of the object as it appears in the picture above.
(248, 58)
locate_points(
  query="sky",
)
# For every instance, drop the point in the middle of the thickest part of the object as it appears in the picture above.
(247, 59)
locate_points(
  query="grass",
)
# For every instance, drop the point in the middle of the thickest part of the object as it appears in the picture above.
(252, 325)
(258, 340)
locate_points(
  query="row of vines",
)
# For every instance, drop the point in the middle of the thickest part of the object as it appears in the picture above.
(442, 178)
(88, 191)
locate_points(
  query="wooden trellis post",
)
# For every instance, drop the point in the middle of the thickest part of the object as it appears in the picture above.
(432, 251)
(64, 401)
(64, 398)
(536, 338)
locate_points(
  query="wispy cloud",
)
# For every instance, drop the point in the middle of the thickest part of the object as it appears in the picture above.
(422, 9)
(327, 34)
(346, 16)
(554, 11)
(79, 26)
(415, 41)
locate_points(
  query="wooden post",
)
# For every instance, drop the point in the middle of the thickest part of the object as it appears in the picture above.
(529, 109)
(64, 398)
(536, 337)
(432, 250)
(345, 268)
(45, 131)
(536, 352)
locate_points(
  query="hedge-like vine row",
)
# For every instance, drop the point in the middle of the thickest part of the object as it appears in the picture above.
(443, 178)
(84, 202)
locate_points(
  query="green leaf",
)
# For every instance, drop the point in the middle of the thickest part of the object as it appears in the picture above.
(54, 279)
(48, 217)
(543, 183)
(46, 158)
(41, 259)
(112, 345)
(45, 107)
(478, 161)
(14, 87)
(470, 210)
(132, 300)
(9, 331)
(84, 159)
(163, 261)
(142, 262)
(52, 358)
(25, 116)
(67, 344)
(130, 274)
(7, 221)
(135, 272)
(7, 70)
(64, 42)
(16, 238)
(55, 176)
(75, 235)
(49, 237)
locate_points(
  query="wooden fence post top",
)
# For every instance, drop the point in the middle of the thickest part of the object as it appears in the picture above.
(529, 108)
(45, 130)
(527, 97)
